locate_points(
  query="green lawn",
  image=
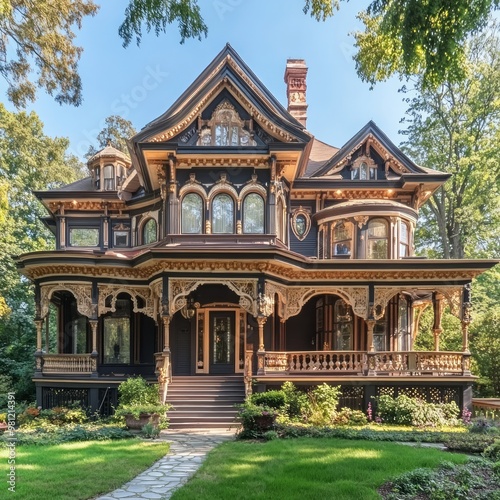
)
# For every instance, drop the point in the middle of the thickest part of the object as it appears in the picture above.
(78, 470)
(305, 468)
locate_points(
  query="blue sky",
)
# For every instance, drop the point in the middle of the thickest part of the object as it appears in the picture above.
(140, 83)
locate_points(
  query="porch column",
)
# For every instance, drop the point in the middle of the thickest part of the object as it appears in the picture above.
(39, 328)
(94, 354)
(437, 329)
(370, 324)
(166, 333)
(466, 317)
(39, 352)
(261, 353)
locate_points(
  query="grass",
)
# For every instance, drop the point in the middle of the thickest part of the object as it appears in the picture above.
(79, 470)
(305, 468)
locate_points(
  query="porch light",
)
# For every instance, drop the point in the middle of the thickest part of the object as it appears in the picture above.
(189, 310)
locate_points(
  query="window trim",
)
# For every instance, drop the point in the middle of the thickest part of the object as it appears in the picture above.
(202, 212)
(244, 210)
(234, 205)
(386, 238)
(300, 212)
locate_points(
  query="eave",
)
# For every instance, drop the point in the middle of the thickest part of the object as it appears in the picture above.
(197, 259)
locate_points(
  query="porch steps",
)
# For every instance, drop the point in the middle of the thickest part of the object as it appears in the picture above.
(204, 401)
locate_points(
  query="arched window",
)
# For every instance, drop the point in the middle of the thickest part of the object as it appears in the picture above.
(223, 214)
(342, 235)
(192, 214)
(404, 240)
(149, 234)
(342, 327)
(253, 214)
(109, 178)
(377, 246)
(364, 172)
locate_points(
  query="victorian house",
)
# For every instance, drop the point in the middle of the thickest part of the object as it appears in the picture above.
(231, 250)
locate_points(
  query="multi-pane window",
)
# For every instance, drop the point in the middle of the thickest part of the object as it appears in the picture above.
(364, 172)
(192, 214)
(343, 322)
(253, 214)
(380, 334)
(342, 235)
(223, 214)
(109, 178)
(116, 334)
(149, 232)
(404, 240)
(377, 244)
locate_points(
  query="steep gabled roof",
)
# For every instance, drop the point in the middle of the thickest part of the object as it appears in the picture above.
(227, 67)
(372, 131)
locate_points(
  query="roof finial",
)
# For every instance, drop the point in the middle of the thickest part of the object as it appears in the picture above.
(108, 142)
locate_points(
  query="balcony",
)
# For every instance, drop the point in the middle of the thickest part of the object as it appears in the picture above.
(78, 364)
(364, 363)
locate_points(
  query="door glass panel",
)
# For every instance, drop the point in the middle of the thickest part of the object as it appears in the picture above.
(222, 340)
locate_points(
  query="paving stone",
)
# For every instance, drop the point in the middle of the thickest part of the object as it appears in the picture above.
(187, 452)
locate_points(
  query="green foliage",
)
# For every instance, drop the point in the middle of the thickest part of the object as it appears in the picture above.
(137, 397)
(150, 431)
(255, 420)
(29, 161)
(482, 425)
(49, 434)
(404, 410)
(324, 402)
(272, 399)
(157, 14)
(454, 128)
(468, 443)
(474, 479)
(32, 417)
(493, 451)
(297, 402)
(450, 338)
(38, 43)
(347, 416)
(116, 130)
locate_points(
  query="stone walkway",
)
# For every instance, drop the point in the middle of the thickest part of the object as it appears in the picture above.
(187, 451)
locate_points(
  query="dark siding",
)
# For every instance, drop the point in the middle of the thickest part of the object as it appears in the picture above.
(301, 329)
(308, 246)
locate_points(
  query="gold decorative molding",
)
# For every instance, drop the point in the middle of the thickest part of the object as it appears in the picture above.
(246, 289)
(135, 292)
(280, 270)
(95, 206)
(81, 292)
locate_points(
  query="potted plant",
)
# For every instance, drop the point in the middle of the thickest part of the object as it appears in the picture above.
(139, 404)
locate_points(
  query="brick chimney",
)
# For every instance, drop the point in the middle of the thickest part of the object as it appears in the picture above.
(295, 79)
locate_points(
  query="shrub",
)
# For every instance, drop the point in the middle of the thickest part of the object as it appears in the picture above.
(324, 401)
(468, 443)
(481, 425)
(33, 417)
(297, 405)
(404, 410)
(150, 431)
(256, 419)
(474, 479)
(272, 399)
(493, 451)
(346, 416)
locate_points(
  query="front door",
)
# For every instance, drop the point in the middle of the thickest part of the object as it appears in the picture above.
(222, 339)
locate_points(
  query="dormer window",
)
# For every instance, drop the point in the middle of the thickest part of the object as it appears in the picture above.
(109, 178)
(364, 169)
(225, 128)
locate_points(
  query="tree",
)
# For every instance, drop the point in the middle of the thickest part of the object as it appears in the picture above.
(30, 160)
(455, 128)
(37, 37)
(406, 37)
(116, 130)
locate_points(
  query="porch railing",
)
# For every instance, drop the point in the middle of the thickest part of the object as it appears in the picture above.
(367, 363)
(68, 363)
